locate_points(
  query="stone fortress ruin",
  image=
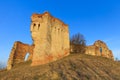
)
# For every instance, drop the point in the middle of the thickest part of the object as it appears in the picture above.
(50, 37)
(50, 42)
(99, 48)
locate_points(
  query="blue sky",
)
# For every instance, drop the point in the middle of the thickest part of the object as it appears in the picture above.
(95, 19)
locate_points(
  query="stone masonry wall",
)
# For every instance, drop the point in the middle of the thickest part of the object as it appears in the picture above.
(18, 54)
(50, 37)
(99, 48)
(50, 42)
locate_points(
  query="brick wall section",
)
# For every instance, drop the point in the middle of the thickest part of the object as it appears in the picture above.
(50, 41)
(51, 38)
(99, 48)
(18, 54)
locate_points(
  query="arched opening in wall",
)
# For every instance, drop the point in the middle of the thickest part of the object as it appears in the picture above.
(101, 50)
(26, 57)
(38, 26)
(58, 31)
(34, 25)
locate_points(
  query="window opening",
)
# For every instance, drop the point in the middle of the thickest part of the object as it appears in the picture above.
(26, 57)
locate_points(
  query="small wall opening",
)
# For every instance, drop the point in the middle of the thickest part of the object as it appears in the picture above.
(34, 25)
(26, 57)
(38, 26)
(101, 50)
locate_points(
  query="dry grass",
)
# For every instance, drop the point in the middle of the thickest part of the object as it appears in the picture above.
(72, 67)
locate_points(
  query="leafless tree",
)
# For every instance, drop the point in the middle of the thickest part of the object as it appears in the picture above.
(78, 43)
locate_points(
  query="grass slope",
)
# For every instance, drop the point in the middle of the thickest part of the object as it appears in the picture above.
(72, 67)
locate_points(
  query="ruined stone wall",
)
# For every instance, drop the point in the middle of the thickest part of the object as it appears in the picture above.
(90, 50)
(50, 37)
(18, 53)
(50, 41)
(99, 48)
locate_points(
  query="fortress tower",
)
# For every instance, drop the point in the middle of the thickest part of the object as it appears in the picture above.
(50, 42)
(50, 37)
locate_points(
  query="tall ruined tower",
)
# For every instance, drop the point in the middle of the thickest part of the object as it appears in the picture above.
(50, 37)
(50, 42)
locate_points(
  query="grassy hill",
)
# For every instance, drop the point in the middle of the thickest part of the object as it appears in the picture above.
(72, 67)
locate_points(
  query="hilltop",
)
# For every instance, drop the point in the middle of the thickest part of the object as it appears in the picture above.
(72, 67)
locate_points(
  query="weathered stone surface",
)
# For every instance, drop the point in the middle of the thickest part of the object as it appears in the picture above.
(18, 53)
(99, 48)
(51, 38)
(50, 42)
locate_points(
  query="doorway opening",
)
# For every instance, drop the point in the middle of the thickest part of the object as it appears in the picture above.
(101, 50)
(26, 57)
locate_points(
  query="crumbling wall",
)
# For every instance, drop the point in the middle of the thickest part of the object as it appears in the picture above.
(99, 48)
(18, 53)
(91, 50)
(51, 38)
